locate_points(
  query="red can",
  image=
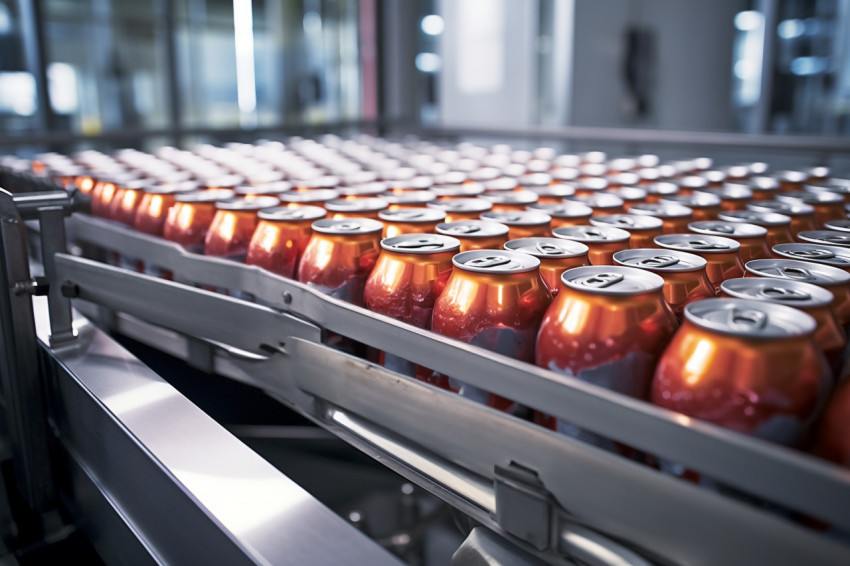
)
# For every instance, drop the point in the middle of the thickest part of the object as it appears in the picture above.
(462, 208)
(608, 326)
(831, 439)
(556, 255)
(836, 281)
(122, 207)
(602, 241)
(747, 366)
(567, 213)
(410, 274)
(360, 208)
(602, 203)
(511, 200)
(753, 238)
(674, 217)
(833, 256)
(657, 191)
(476, 234)
(801, 214)
(827, 205)
(155, 204)
(642, 229)
(281, 237)
(494, 299)
(190, 217)
(522, 223)
(811, 299)
(410, 221)
(104, 191)
(778, 226)
(705, 206)
(685, 279)
(722, 255)
(733, 196)
(233, 226)
(340, 256)
(764, 188)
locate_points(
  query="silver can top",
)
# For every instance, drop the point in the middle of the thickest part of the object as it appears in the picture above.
(523, 197)
(662, 188)
(552, 248)
(628, 221)
(827, 237)
(420, 244)
(661, 210)
(209, 195)
(500, 262)
(413, 215)
(798, 270)
(660, 260)
(810, 197)
(285, 214)
(472, 229)
(780, 291)
(461, 190)
(590, 233)
(728, 229)
(314, 195)
(257, 203)
(566, 209)
(592, 184)
(752, 217)
(502, 184)
(410, 197)
(749, 319)
(358, 205)
(347, 226)
(841, 225)
(530, 180)
(782, 207)
(518, 217)
(697, 243)
(612, 280)
(462, 205)
(820, 253)
(694, 200)
(600, 200)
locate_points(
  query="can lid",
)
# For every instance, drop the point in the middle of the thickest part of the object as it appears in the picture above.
(518, 217)
(611, 280)
(222, 181)
(763, 183)
(593, 184)
(557, 191)
(359, 178)
(413, 215)
(567, 209)
(811, 197)
(730, 229)
(590, 233)
(831, 255)
(694, 200)
(358, 205)
(512, 197)
(693, 182)
(698, 244)
(593, 156)
(313, 195)
(649, 174)
(411, 197)
(749, 319)
(714, 175)
(461, 190)
(485, 174)
(732, 191)
(285, 214)
(842, 225)
(840, 186)
(463, 205)
(173, 188)
(628, 221)
(322, 182)
(472, 229)
(662, 188)
(660, 260)
(565, 174)
(263, 189)
(247, 203)
(600, 200)
(781, 291)
(783, 207)
(797, 270)
(501, 184)
(628, 193)
(495, 261)
(819, 171)
(530, 180)
(347, 226)
(552, 248)
(205, 195)
(370, 188)
(661, 210)
(791, 176)
(753, 217)
(622, 164)
(829, 237)
(421, 244)
(451, 178)
(419, 182)
(570, 160)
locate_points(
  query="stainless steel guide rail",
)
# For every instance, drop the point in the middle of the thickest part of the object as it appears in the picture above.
(555, 496)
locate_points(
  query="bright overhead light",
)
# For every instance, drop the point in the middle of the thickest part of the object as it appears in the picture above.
(433, 24)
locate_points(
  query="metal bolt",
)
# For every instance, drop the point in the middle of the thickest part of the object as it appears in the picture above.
(287, 297)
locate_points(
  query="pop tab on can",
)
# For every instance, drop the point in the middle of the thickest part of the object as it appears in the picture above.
(521, 223)
(555, 255)
(475, 234)
(567, 213)
(826, 237)
(830, 255)
(602, 241)
(642, 229)
(410, 220)
(753, 238)
(721, 254)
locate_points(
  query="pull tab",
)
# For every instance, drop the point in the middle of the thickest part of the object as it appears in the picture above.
(624, 221)
(419, 244)
(546, 248)
(747, 319)
(464, 229)
(780, 294)
(488, 262)
(293, 214)
(842, 239)
(797, 273)
(812, 254)
(601, 280)
(407, 214)
(595, 234)
(659, 261)
(347, 226)
(705, 245)
(722, 228)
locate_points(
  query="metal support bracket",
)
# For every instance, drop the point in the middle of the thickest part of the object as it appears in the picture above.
(523, 506)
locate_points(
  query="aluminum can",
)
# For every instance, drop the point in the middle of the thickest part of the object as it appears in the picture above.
(801, 214)
(705, 206)
(836, 281)
(409, 199)
(553, 194)
(567, 213)
(281, 236)
(763, 187)
(462, 208)
(360, 208)
(272, 189)
(190, 217)
(722, 255)
(674, 218)
(816, 301)
(501, 185)
(122, 207)
(104, 191)
(608, 326)
(511, 200)
(602, 203)
(459, 191)
(522, 223)
(410, 274)
(556, 255)
(233, 226)
(340, 256)
(733, 196)
(827, 205)
(221, 182)
(745, 365)
(602, 241)
(494, 299)
(778, 226)
(533, 181)
(753, 238)
(685, 279)
(410, 221)
(841, 188)
(791, 180)
(831, 441)
(630, 195)
(690, 184)
(587, 186)
(476, 234)
(825, 237)
(642, 229)
(363, 190)
(818, 253)
(817, 174)
(656, 191)
(840, 225)
(315, 197)
(155, 204)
